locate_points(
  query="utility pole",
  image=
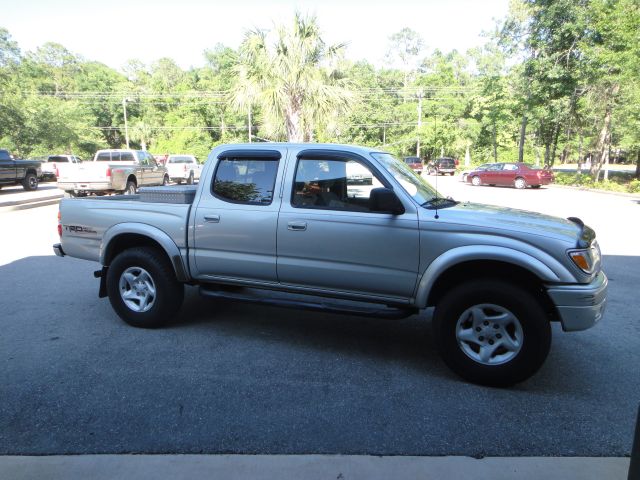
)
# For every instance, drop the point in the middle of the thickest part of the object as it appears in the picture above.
(250, 124)
(126, 127)
(419, 121)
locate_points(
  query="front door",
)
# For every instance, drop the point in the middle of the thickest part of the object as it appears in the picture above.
(7, 168)
(330, 239)
(236, 217)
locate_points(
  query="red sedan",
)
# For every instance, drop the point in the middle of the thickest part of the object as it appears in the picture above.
(519, 175)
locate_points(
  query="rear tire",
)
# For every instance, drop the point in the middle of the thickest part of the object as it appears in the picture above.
(131, 188)
(142, 287)
(30, 182)
(491, 332)
(536, 186)
(165, 180)
(190, 179)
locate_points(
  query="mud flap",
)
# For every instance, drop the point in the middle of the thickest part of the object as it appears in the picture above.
(102, 275)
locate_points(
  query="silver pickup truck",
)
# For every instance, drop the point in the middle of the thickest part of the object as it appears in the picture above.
(346, 229)
(111, 171)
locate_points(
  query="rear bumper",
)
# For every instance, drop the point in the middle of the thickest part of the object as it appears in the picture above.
(57, 249)
(580, 306)
(86, 187)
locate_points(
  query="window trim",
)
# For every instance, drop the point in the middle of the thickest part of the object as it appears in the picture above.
(321, 154)
(268, 155)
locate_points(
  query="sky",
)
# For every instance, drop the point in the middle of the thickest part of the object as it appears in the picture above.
(115, 31)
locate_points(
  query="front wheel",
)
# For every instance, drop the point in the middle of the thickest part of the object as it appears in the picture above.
(491, 332)
(475, 181)
(30, 182)
(142, 287)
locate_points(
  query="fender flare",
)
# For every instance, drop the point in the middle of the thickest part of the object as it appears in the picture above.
(547, 269)
(153, 233)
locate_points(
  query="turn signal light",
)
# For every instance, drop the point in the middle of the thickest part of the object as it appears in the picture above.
(59, 224)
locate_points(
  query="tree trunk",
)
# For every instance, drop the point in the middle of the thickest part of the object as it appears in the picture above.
(556, 135)
(495, 144)
(547, 151)
(638, 166)
(523, 132)
(604, 139)
(293, 121)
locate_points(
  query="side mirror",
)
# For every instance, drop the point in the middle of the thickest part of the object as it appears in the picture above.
(385, 200)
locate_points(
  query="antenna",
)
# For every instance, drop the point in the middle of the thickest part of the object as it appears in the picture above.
(437, 175)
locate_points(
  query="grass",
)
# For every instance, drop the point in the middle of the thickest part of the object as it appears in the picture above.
(616, 183)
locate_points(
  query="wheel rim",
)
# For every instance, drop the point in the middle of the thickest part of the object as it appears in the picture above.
(475, 181)
(33, 182)
(131, 190)
(489, 334)
(137, 289)
(520, 183)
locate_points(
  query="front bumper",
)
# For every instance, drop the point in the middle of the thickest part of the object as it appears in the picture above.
(580, 306)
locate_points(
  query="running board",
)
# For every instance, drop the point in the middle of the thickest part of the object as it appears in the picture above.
(363, 311)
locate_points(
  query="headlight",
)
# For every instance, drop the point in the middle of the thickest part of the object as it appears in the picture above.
(588, 259)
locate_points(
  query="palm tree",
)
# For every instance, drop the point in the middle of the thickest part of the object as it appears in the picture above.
(142, 132)
(295, 81)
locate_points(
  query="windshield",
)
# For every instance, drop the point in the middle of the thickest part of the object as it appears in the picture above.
(413, 184)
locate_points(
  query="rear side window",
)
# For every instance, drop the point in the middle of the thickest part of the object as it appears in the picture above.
(104, 157)
(126, 157)
(245, 180)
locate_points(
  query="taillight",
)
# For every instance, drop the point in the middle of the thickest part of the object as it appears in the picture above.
(59, 224)
(108, 172)
(57, 174)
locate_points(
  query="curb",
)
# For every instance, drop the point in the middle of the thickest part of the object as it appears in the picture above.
(31, 203)
(310, 467)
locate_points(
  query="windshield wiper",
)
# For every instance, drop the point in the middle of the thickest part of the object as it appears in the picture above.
(439, 202)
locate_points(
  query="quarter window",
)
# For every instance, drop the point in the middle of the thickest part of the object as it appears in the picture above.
(333, 185)
(245, 180)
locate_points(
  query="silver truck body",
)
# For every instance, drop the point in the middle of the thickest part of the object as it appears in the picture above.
(382, 257)
(111, 171)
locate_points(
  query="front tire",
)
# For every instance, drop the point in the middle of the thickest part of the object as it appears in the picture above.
(30, 182)
(491, 333)
(520, 183)
(475, 181)
(131, 188)
(142, 287)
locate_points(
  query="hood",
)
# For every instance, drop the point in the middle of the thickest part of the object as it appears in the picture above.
(490, 217)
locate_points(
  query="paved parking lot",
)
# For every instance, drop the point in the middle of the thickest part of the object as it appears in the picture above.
(232, 378)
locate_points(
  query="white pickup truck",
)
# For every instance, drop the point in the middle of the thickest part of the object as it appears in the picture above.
(350, 229)
(111, 171)
(50, 166)
(183, 168)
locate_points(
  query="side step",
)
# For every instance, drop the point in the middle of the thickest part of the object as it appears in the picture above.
(349, 307)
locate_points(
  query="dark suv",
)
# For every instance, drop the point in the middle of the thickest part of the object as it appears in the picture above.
(442, 165)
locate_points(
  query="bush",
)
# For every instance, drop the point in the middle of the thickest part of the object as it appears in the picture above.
(615, 184)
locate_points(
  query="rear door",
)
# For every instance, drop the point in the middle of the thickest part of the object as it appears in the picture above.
(508, 174)
(237, 215)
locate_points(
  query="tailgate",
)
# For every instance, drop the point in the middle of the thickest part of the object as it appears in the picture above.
(86, 172)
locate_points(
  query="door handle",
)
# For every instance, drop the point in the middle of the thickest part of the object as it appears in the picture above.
(212, 218)
(297, 226)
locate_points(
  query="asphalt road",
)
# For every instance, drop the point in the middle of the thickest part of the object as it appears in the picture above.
(232, 378)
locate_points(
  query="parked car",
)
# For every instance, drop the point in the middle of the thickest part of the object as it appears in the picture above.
(518, 175)
(442, 165)
(112, 171)
(183, 168)
(19, 172)
(415, 163)
(480, 168)
(281, 217)
(49, 165)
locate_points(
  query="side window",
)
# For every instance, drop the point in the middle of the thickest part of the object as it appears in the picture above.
(245, 180)
(495, 167)
(126, 156)
(104, 157)
(511, 167)
(142, 158)
(333, 185)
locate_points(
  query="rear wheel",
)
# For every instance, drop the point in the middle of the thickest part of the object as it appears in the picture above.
(475, 180)
(30, 182)
(165, 180)
(190, 179)
(492, 332)
(520, 183)
(131, 188)
(536, 186)
(142, 287)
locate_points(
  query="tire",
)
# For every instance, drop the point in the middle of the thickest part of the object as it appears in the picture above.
(190, 179)
(464, 178)
(165, 180)
(536, 186)
(520, 183)
(131, 188)
(30, 182)
(475, 181)
(508, 316)
(154, 301)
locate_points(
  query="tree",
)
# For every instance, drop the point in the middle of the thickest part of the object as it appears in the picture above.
(295, 81)
(404, 50)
